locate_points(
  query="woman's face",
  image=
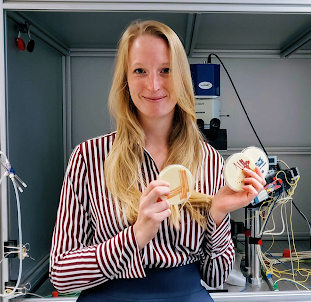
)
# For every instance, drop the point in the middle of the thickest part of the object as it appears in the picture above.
(149, 78)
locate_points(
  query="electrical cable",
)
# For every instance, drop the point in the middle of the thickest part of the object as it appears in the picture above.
(284, 279)
(279, 261)
(265, 224)
(19, 219)
(38, 296)
(11, 294)
(262, 232)
(209, 61)
(270, 232)
(289, 245)
(283, 162)
(267, 263)
(246, 285)
(304, 217)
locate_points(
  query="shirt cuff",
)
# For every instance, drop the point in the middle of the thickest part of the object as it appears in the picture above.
(119, 257)
(218, 238)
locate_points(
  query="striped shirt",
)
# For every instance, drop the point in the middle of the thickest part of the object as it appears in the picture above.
(94, 243)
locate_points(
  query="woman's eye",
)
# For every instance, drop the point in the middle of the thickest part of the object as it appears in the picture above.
(165, 70)
(138, 70)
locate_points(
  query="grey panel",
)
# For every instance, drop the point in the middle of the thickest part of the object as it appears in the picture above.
(217, 30)
(307, 46)
(35, 143)
(249, 31)
(98, 29)
(91, 79)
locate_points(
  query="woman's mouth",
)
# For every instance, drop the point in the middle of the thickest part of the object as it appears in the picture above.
(154, 98)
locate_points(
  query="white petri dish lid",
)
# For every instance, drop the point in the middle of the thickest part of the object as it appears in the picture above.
(233, 170)
(259, 158)
(181, 183)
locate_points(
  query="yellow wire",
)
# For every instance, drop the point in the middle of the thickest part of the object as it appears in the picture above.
(292, 231)
(274, 270)
(285, 279)
(270, 245)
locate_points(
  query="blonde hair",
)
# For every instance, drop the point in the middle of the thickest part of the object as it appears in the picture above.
(126, 155)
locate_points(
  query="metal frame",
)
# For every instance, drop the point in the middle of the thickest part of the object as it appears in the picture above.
(196, 27)
(92, 52)
(3, 139)
(197, 6)
(272, 6)
(275, 150)
(67, 113)
(227, 297)
(292, 47)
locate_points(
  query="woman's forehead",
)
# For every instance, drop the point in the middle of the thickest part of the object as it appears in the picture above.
(148, 47)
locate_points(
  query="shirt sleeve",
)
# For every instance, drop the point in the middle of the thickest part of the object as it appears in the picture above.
(217, 244)
(219, 252)
(76, 263)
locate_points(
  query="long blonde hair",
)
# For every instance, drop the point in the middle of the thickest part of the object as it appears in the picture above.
(124, 159)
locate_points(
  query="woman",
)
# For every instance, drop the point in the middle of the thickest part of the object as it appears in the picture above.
(116, 237)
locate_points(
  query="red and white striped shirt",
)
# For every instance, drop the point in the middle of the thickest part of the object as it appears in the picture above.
(93, 242)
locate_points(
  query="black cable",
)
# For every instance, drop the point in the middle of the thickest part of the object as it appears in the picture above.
(209, 61)
(304, 217)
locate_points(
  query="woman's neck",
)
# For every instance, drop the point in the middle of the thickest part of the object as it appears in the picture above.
(156, 143)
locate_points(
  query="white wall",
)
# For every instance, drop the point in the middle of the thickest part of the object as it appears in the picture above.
(276, 95)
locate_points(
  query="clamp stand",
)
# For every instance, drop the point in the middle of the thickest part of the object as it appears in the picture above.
(252, 263)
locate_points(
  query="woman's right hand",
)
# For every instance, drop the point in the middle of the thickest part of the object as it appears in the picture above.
(152, 211)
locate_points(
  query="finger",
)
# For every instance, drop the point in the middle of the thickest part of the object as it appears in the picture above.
(156, 194)
(258, 171)
(255, 175)
(155, 184)
(163, 215)
(249, 181)
(251, 191)
(161, 205)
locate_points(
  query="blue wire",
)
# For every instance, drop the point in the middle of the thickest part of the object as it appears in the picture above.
(278, 259)
(246, 285)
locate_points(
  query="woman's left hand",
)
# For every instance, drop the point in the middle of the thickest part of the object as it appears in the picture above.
(227, 200)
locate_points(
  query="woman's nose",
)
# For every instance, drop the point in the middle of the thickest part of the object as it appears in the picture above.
(154, 82)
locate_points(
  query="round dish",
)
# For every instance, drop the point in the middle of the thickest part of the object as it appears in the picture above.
(233, 170)
(259, 157)
(181, 183)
